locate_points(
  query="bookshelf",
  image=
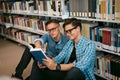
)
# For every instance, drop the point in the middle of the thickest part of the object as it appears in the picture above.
(28, 16)
(96, 16)
(98, 20)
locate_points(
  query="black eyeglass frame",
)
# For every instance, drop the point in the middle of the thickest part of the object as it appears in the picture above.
(70, 30)
(53, 29)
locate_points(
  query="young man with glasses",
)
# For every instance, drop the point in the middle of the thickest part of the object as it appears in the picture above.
(78, 56)
(55, 41)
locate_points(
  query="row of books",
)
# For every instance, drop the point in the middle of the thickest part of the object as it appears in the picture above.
(21, 21)
(82, 8)
(107, 65)
(19, 34)
(2, 29)
(46, 7)
(106, 37)
(99, 9)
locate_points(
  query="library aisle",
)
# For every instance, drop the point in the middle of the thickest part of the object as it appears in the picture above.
(10, 54)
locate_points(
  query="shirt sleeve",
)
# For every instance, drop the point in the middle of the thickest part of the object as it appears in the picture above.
(43, 39)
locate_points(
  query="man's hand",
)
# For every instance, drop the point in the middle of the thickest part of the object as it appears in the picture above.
(50, 63)
(38, 44)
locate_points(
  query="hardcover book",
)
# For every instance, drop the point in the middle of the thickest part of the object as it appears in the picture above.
(38, 54)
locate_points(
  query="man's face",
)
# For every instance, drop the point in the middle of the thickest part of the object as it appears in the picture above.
(71, 31)
(53, 30)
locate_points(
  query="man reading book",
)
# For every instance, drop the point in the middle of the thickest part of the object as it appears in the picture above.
(55, 41)
(78, 56)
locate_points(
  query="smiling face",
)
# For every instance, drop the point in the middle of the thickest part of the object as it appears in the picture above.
(54, 30)
(71, 31)
(72, 28)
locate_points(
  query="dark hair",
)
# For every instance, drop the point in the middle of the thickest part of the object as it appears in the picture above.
(51, 21)
(75, 22)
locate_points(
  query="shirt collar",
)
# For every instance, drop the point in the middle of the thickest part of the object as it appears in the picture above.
(61, 38)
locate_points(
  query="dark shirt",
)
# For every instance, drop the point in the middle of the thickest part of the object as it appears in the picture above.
(73, 56)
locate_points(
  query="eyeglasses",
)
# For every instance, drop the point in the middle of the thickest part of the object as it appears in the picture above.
(70, 30)
(52, 29)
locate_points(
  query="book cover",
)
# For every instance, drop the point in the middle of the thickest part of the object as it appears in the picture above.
(38, 54)
(118, 43)
(117, 10)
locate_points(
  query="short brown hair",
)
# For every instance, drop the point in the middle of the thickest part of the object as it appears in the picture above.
(75, 22)
(51, 21)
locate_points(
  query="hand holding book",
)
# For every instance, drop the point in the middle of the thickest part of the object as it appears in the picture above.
(38, 54)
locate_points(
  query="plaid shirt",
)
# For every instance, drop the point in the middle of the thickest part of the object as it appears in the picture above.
(85, 56)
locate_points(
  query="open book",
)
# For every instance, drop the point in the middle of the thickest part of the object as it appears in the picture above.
(38, 54)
